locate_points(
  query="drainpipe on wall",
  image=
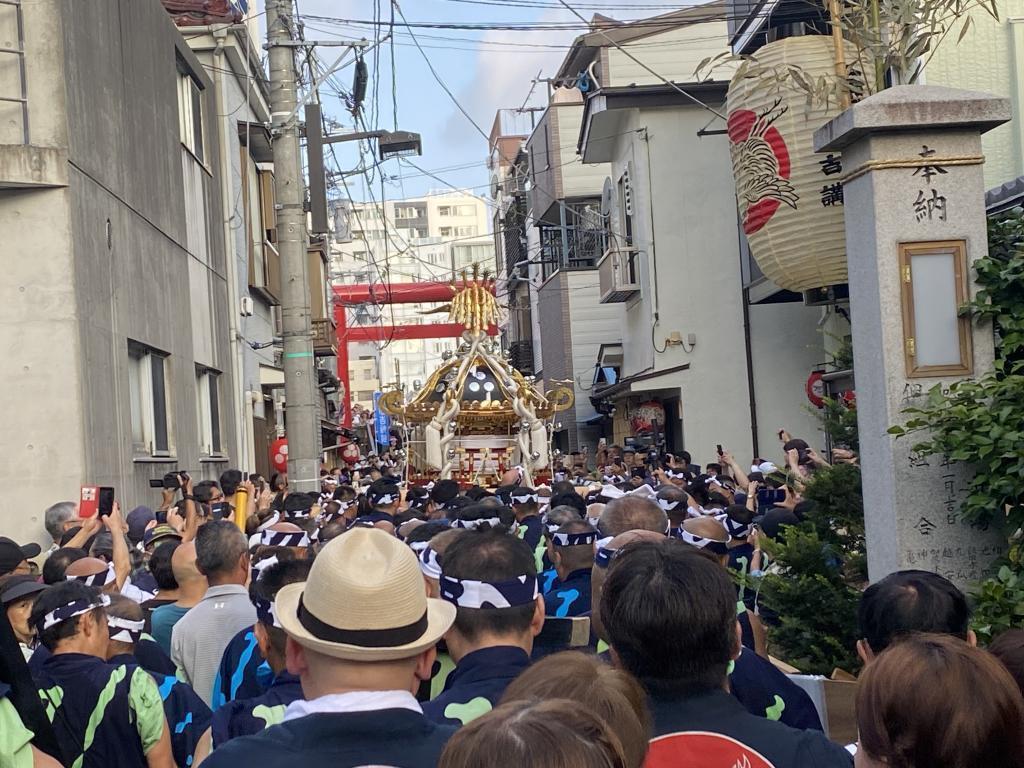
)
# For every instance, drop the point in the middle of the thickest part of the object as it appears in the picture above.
(748, 350)
(241, 410)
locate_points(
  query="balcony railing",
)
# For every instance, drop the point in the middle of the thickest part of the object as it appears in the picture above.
(571, 247)
(325, 338)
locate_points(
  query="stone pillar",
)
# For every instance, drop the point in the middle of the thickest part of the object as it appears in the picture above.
(912, 161)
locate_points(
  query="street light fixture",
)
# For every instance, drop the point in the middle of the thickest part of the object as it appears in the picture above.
(389, 143)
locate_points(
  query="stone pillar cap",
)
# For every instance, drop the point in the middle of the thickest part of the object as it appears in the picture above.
(913, 108)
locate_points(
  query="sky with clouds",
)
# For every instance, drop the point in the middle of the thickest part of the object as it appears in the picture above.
(481, 71)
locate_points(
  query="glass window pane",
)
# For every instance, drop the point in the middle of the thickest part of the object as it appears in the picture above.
(159, 404)
(214, 413)
(197, 120)
(135, 399)
(936, 325)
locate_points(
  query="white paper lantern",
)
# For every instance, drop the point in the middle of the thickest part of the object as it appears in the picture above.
(790, 198)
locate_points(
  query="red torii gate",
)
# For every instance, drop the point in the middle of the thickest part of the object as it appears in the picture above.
(395, 293)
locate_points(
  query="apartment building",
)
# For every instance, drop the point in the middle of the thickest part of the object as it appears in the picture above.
(430, 238)
(114, 320)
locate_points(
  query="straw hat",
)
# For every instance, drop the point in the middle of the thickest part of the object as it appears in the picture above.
(364, 600)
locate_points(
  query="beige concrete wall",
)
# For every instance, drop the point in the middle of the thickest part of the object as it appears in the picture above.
(42, 405)
(41, 409)
(990, 58)
(673, 54)
(685, 230)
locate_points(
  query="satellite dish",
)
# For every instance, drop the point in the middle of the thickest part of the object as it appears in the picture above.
(607, 196)
(495, 187)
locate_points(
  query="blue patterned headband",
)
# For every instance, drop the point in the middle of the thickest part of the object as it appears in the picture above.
(266, 612)
(736, 529)
(604, 554)
(100, 579)
(71, 610)
(429, 564)
(718, 547)
(483, 594)
(128, 631)
(284, 539)
(574, 539)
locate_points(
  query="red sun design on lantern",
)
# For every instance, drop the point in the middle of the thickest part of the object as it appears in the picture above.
(761, 165)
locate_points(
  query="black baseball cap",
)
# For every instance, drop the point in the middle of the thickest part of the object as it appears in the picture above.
(17, 587)
(12, 553)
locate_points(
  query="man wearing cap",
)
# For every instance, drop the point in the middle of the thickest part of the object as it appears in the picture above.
(572, 552)
(247, 717)
(14, 557)
(104, 715)
(187, 715)
(138, 521)
(361, 636)
(198, 640)
(18, 594)
(491, 578)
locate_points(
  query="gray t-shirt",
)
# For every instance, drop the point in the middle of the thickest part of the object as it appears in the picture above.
(199, 638)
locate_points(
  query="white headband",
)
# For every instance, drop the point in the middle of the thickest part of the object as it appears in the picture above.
(274, 519)
(100, 579)
(429, 564)
(270, 538)
(128, 631)
(71, 610)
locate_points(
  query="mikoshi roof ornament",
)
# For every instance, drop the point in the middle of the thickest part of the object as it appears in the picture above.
(477, 392)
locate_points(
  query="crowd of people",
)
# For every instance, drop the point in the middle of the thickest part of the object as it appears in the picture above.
(602, 619)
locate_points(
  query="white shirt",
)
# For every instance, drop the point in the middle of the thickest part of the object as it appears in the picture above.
(354, 701)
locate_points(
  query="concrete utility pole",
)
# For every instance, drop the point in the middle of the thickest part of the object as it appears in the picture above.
(300, 382)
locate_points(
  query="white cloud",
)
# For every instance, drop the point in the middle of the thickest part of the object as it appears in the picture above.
(502, 78)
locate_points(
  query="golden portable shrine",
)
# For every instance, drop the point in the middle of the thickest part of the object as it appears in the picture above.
(477, 417)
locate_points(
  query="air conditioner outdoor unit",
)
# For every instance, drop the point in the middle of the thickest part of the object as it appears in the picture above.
(618, 274)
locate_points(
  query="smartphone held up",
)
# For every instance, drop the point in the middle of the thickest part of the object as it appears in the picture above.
(96, 500)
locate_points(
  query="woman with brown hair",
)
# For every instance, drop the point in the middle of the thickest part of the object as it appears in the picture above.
(611, 694)
(933, 700)
(557, 733)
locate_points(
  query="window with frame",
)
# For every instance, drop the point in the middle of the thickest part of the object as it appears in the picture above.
(261, 226)
(208, 394)
(625, 191)
(190, 113)
(444, 210)
(446, 231)
(147, 388)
